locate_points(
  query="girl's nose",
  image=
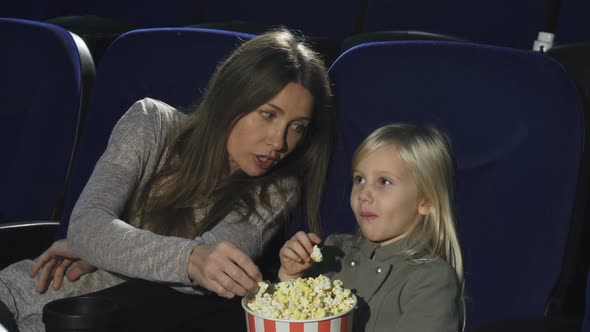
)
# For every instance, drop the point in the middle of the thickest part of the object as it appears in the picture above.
(365, 194)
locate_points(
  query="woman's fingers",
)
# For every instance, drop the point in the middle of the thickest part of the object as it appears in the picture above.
(58, 250)
(41, 261)
(79, 269)
(240, 274)
(224, 269)
(59, 272)
(231, 284)
(46, 275)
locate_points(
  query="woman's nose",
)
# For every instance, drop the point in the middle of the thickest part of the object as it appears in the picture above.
(276, 138)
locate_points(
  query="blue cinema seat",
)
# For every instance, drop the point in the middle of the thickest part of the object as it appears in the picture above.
(572, 22)
(315, 19)
(46, 75)
(575, 58)
(516, 125)
(497, 22)
(586, 326)
(170, 64)
(99, 23)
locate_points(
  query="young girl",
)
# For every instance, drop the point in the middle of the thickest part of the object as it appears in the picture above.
(191, 201)
(405, 264)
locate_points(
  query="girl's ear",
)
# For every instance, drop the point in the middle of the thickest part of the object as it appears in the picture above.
(424, 207)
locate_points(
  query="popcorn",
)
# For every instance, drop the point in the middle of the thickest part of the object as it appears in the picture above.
(316, 254)
(301, 298)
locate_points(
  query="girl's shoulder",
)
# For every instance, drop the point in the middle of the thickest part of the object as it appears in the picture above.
(436, 269)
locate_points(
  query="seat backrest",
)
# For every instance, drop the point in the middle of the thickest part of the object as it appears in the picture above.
(572, 22)
(567, 298)
(146, 13)
(169, 64)
(393, 35)
(331, 19)
(586, 326)
(497, 22)
(24, 9)
(515, 123)
(43, 84)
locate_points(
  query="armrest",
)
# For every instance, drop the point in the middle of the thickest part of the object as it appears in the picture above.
(533, 324)
(26, 239)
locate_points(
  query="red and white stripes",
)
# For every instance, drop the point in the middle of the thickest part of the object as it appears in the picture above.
(338, 324)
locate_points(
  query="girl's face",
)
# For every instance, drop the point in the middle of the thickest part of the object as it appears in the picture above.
(264, 136)
(385, 199)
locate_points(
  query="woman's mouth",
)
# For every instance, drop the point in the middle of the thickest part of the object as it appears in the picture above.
(264, 162)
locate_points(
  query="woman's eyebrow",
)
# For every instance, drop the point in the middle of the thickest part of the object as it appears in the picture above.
(282, 111)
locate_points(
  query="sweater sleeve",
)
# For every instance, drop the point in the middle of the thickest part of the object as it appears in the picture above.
(97, 234)
(253, 235)
(430, 300)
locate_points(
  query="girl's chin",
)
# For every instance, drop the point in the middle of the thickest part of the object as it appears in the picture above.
(371, 236)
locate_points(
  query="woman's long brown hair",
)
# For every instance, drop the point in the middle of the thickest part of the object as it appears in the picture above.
(194, 172)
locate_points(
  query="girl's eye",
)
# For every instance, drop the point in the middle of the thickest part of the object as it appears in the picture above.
(385, 182)
(358, 179)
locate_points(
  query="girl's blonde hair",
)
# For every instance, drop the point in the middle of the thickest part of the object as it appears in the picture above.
(427, 152)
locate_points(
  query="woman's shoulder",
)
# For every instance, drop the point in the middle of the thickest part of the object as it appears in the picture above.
(155, 112)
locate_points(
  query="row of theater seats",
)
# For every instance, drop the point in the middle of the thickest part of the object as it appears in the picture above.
(497, 22)
(515, 118)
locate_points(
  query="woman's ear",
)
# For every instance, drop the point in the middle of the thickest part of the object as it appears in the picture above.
(424, 207)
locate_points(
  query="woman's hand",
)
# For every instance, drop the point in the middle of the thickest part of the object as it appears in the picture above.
(54, 263)
(224, 269)
(295, 255)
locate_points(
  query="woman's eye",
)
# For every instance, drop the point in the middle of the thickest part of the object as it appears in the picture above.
(267, 115)
(299, 128)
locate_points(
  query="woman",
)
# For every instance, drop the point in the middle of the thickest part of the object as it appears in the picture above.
(192, 200)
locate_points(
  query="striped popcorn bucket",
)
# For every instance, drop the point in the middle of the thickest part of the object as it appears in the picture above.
(337, 323)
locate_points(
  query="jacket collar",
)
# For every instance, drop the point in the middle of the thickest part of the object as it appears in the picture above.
(385, 253)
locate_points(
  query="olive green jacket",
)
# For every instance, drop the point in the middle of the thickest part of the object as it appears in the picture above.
(394, 295)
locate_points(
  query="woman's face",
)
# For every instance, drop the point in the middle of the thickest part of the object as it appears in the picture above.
(384, 198)
(262, 137)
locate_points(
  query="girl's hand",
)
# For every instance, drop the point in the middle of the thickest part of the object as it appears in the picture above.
(224, 269)
(295, 255)
(54, 263)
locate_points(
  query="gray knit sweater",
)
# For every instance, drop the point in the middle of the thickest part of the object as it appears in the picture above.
(98, 235)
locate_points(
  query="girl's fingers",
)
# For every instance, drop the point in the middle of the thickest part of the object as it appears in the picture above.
(301, 250)
(314, 238)
(307, 240)
(292, 255)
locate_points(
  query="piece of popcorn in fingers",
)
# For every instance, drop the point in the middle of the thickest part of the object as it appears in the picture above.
(316, 254)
